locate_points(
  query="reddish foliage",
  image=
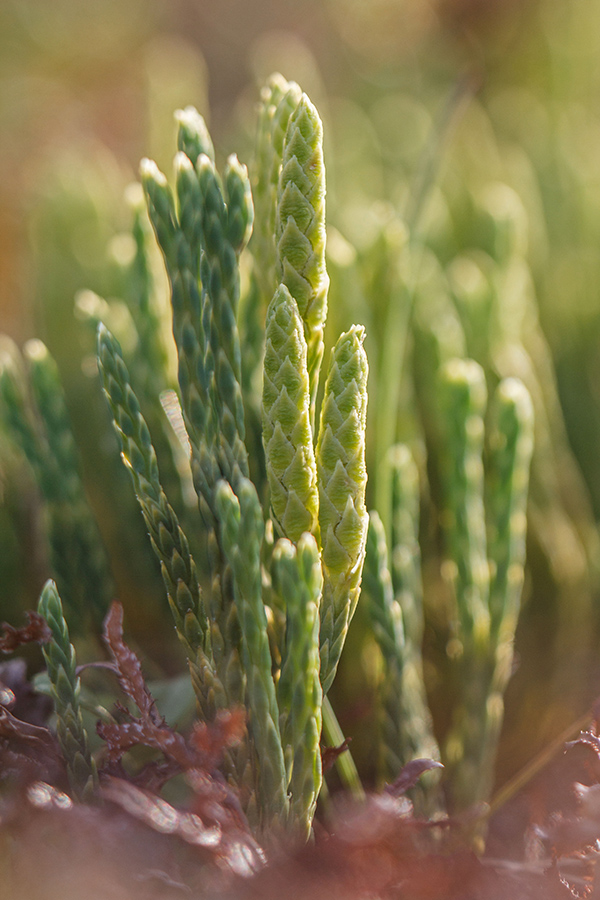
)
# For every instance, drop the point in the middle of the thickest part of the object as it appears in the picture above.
(138, 846)
(65, 851)
(154, 775)
(227, 730)
(28, 751)
(380, 851)
(587, 739)
(17, 694)
(207, 743)
(36, 631)
(127, 666)
(410, 774)
(123, 736)
(216, 835)
(575, 836)
(215, 804)
(330, 754)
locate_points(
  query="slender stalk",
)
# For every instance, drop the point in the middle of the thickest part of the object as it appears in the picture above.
(345, 763)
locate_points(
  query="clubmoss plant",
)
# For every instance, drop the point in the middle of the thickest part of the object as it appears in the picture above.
(264, 573)
(392, 592)
(65, 686)
(35, 416)
(202, 234)
(169, 543)
(485, 559)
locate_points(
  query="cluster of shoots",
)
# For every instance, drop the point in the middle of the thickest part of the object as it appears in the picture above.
(264, 577)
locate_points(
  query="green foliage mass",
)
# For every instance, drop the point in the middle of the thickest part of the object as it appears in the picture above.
(263, 567)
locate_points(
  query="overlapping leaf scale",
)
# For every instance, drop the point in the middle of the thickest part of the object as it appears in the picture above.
(287, 435)
(342, 478)
(300, 228)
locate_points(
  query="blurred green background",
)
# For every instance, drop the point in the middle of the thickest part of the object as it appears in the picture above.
(461, 147)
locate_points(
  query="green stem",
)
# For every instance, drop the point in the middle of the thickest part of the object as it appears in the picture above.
(345, 764)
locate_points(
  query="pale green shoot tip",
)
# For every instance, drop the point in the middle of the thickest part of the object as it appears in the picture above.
(149, 171)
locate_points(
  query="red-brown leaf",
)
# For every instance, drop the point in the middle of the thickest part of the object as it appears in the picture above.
(410, 774)
(129, 669)
(210, 740)
(231, 847)
(36, 631)
(28, 752)
(123, 736)
(330, 754)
